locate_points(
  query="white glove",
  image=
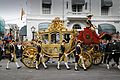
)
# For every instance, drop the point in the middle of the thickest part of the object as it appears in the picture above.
(12, 55)
(112, 52)
(66, 54)
(41, 55)
(81, 57)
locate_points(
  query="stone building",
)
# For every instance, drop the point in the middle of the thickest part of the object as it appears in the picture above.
(106, 14)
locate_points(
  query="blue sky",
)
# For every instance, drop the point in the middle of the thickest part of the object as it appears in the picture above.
(10, 10)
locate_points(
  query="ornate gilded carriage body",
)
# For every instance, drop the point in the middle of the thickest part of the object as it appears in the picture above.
(51, 41)
(52, 38)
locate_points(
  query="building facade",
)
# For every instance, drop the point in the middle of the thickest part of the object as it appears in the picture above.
(2, 28)
(106, 13)
(12, 29)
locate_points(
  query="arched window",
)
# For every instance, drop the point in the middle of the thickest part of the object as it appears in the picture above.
(23, 32)
(43, 26)
(76, 26)
(107, 28)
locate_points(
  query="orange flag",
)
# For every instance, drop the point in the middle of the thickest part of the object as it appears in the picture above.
(22, 13)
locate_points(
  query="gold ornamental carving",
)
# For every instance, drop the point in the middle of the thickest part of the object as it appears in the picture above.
(57, 25)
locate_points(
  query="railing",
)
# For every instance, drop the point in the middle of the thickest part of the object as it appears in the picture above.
(81, 15)
(78, 13)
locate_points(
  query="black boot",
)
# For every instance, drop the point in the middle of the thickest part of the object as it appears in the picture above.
(76, 69)
(19, 67)
(7, 68)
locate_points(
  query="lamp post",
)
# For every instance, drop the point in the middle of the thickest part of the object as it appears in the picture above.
(10, 36)
(10, 31)
(17, 34)
(33, 31)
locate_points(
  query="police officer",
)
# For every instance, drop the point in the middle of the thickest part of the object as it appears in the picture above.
(62, 49)
(78, 56)
(39, 56)
(10, 50)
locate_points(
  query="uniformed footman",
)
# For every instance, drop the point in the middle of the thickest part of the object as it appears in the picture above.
(39, 56)
(78, 56)
(62, 55)
(10, 51)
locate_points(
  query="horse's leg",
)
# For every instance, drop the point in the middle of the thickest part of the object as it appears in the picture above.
(116, 60)
(105, 58)
(108, 60)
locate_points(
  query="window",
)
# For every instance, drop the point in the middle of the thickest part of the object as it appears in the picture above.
(43, 26)
(76, 26)
(46, 8)
(86, 5)
(55, 37)
(77, 5)
(67, 5)
(77, 8)
(66, 37)
(104, 10)
(45, 38)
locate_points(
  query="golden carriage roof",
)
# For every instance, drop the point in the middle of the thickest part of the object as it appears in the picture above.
(57, 25)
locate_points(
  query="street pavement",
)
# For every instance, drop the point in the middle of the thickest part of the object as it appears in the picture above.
(98, 72)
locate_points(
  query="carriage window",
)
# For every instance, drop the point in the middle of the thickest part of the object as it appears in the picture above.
(66, 37)
(45, 38)
(55, 38)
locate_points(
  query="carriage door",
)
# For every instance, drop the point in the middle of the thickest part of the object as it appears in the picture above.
(55, 37)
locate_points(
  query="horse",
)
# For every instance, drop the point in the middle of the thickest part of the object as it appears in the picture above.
(114, 53)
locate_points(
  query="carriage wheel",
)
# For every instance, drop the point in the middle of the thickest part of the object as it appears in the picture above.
(29, 57)
(97, 58)
(87, 60)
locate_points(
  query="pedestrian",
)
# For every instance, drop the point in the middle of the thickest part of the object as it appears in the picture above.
(19, 46)
(107, 50)
(62, 55)
(102, 47)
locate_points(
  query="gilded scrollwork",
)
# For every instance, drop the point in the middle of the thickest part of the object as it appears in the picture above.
(57, 25)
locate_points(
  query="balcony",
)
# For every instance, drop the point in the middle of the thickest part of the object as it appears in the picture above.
(79, 15)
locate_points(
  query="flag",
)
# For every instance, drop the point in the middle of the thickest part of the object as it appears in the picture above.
(22, 13)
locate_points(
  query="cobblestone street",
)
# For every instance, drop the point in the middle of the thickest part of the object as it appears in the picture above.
(94, 73)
